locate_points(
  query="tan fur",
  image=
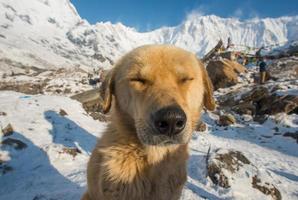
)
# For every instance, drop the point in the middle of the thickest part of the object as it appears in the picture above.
(129, 162)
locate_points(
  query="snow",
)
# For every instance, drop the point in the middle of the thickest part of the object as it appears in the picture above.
(51, 34)
(44, 171)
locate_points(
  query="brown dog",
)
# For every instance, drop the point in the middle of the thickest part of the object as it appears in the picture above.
(158, 92)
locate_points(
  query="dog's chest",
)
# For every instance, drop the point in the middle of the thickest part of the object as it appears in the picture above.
(167, 178)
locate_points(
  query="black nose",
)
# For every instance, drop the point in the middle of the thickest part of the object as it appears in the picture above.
(169, 120)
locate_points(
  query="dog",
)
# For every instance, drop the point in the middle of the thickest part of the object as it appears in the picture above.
(156, 94)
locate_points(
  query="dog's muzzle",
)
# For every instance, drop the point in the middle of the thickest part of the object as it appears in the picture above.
(169, 120)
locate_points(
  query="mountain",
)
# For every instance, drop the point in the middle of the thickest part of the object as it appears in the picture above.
(51, 34)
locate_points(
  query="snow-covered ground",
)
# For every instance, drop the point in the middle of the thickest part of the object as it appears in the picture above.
(44, 169)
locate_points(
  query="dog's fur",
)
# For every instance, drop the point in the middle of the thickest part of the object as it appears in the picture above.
(130, 161)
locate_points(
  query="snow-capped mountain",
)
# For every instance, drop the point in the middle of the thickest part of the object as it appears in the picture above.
(50, 34)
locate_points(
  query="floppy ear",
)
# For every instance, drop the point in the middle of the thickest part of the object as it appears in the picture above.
(209, 102)
(105, 91)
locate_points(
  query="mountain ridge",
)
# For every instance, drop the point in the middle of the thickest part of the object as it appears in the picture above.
(51, 34)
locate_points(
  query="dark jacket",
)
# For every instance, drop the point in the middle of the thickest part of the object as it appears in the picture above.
(262, 66)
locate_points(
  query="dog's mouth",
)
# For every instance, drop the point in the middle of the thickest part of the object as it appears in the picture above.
(149, 136)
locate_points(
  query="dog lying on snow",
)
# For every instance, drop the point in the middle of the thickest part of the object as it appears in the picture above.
(156, 94)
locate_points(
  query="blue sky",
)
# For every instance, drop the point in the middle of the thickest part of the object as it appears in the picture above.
(148, 15)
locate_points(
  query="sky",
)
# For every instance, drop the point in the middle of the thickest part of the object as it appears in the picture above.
(152, 14)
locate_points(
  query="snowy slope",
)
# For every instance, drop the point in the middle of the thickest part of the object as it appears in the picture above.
(50, 33)
(42, 170)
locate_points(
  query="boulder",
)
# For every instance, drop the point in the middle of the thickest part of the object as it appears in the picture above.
(99, 116)
(224, 73)
(8, 130)
(256, 94)
(260, 101)
(293, 135)
(62, 112)
(91, 103)
(3, 113)
(266, 188)
(229, 160)
(245, 108)
(286, 67)
(227, 168)
(73, 151)
(226, 120)
(16, 144)
(201, 127)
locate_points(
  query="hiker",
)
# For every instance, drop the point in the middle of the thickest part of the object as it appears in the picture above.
(262, 69)
(229, 43)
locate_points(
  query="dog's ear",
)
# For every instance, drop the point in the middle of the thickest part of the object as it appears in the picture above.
(209, 102)
(106, 91)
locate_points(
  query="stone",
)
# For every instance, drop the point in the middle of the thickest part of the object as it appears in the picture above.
(16, 144)
(245, 108)
(62, 112)
(259, 101)
(266, 188)
(3, 113)
(201, 127)
(230, 160)
(73, 151)
(224, 73)
(99, 116)
(226, 120)
(8, 130)
(256, 94)
(293, 135)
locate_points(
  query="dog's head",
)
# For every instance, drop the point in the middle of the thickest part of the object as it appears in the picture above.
(159, 92)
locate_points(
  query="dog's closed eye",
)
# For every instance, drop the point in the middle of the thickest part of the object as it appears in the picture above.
(186, 79)
(138, 80)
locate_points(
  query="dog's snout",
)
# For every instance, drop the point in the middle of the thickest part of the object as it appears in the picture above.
(170, 120)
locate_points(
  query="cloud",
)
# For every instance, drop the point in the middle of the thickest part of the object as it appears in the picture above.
(238, 13)
(197, 12)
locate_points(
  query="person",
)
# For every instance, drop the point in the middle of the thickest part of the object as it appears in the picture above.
(262, 69)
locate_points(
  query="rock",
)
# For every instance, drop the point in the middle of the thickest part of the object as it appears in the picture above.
(259, 101)
(245, 108)
(201, 127)
(246, 118)
(224, 73)
(286, 104)
(266, 188)
(228, 168)
(226, 120)
(67, 91)
(58, 91)
(229, 160)
(260, 118)
(26, 88)
(4, 168)
(8, 130)
(63, 112)
(16, 144)
(3, 114)
(99, 116)
(284, 67)
(275, 88)
(292, 135)
(74, 151)
(87, 96)
(217, 176)
(256, 94)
